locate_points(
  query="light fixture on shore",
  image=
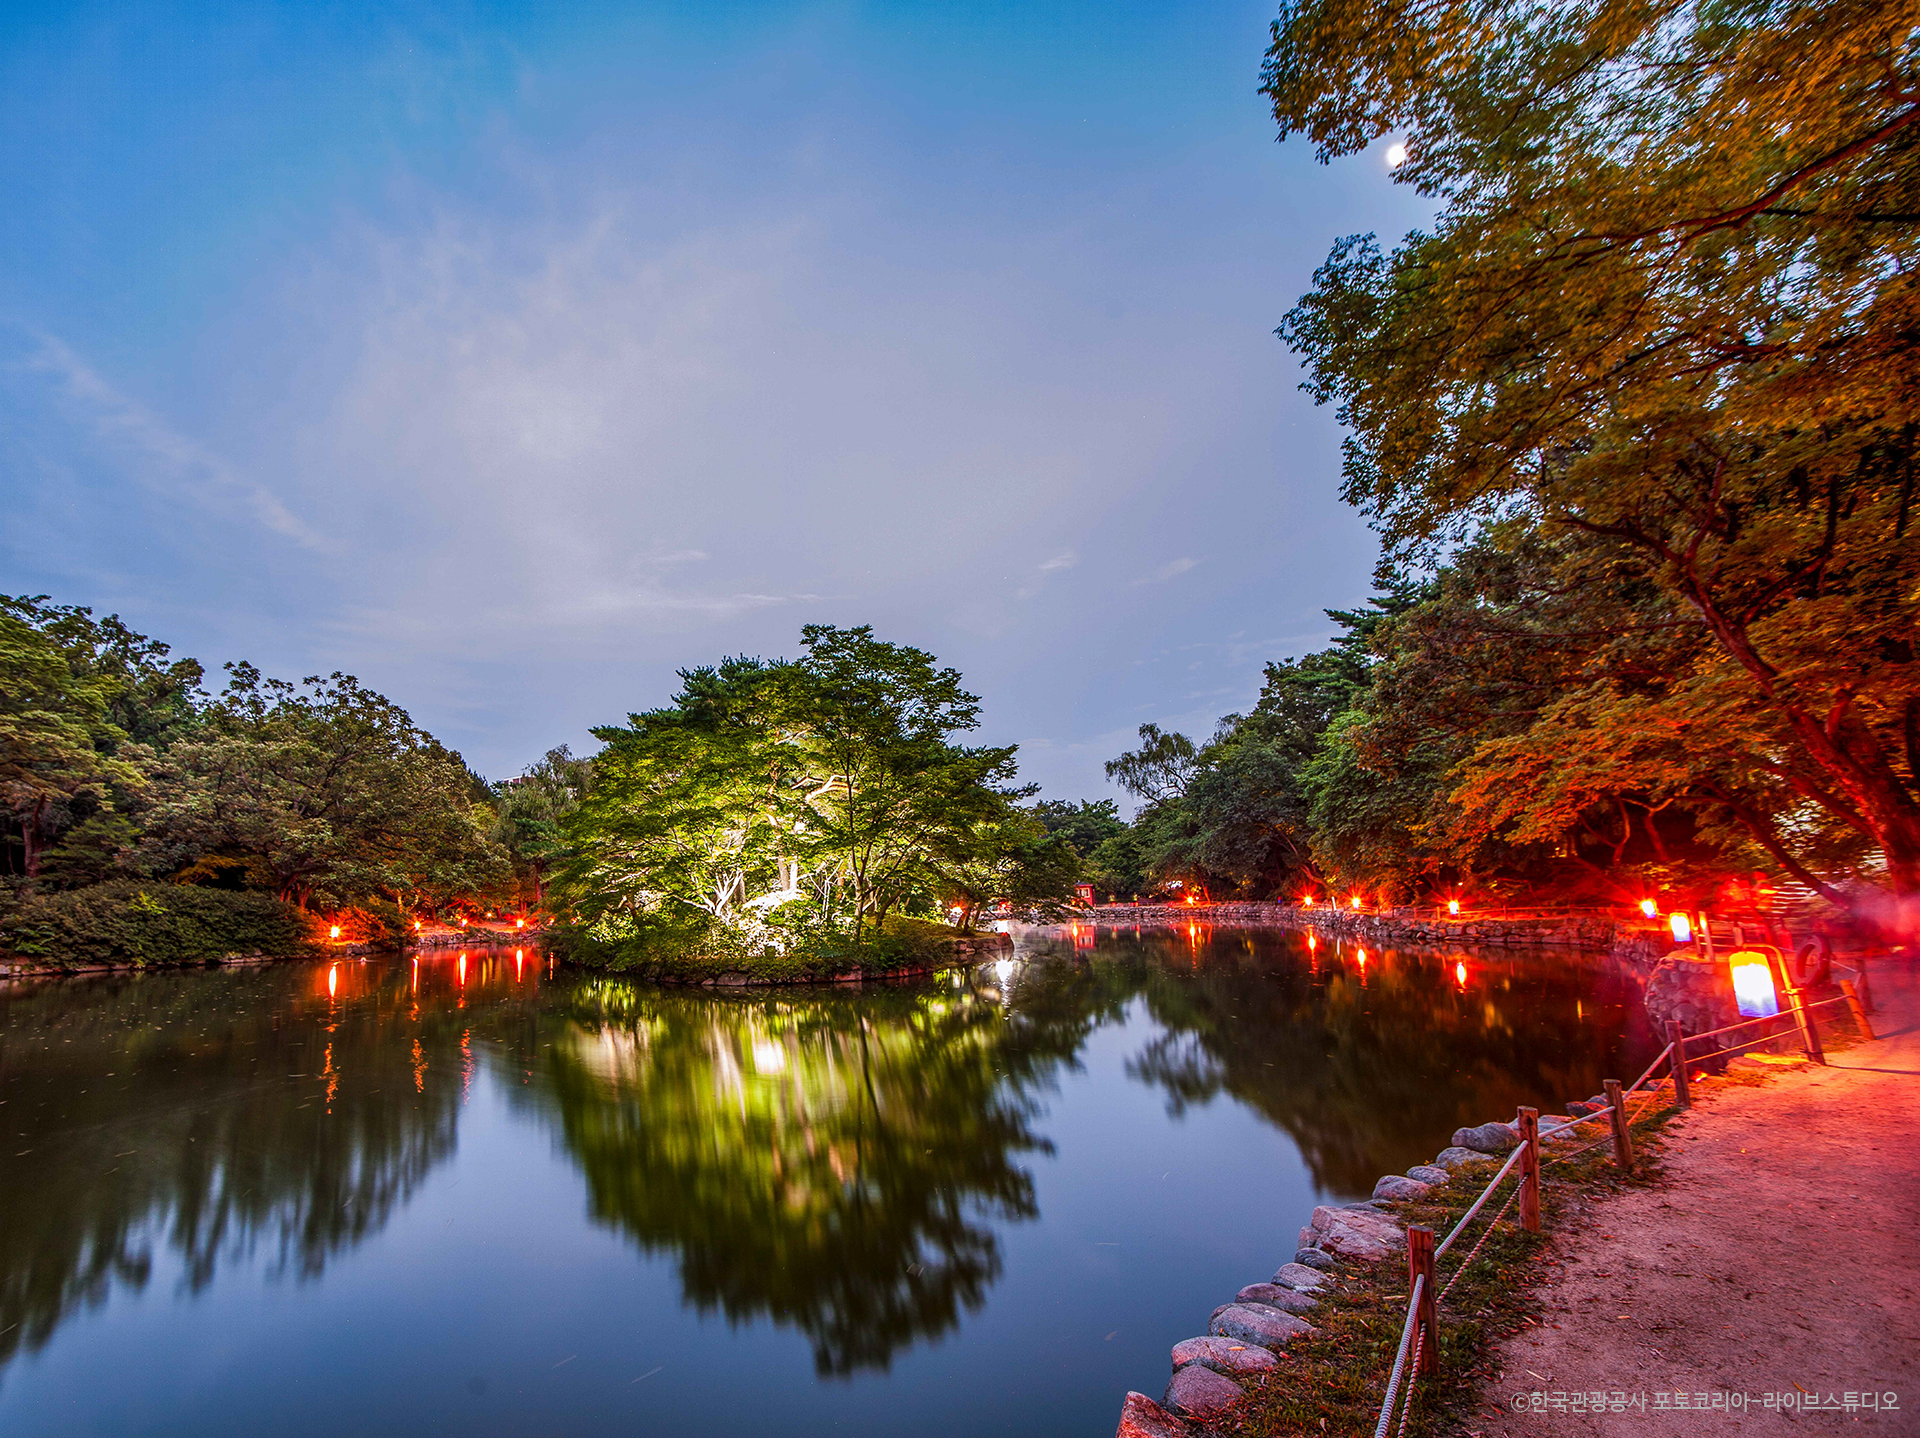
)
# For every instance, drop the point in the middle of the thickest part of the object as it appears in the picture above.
(416, 926)
(1753, 990)
(1356, 901)
(1649, 908)
(1682, 928)
(519, 923)
(1453, 906)
(334, 933)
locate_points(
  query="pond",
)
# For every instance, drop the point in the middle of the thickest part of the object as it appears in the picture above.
(468, 1193)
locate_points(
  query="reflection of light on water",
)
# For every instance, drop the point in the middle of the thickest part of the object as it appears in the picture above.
(769, 1057)
(1460, 975)
(1003, 970)
(333, 981)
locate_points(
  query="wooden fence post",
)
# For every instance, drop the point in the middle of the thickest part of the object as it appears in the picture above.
(1426, 1320)
(1848, 988)
(1809, 1034)
(1622, 1139)
(1530, 1169)
(1677, 1036)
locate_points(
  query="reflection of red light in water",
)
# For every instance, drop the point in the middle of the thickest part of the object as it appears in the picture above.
(518, 958)
(1460, 975)
(1363, 958)
(333, 981)
(463, 968)
(1313, 941)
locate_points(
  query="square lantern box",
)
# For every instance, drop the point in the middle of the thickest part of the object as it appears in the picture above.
(1754, 992)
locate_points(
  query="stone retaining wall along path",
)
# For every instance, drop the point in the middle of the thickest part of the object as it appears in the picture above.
(1252, 1333)
(1588, 933)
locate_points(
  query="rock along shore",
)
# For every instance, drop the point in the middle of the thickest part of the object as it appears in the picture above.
(1252, 1333)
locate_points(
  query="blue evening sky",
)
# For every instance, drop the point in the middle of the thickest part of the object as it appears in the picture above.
(512, 357)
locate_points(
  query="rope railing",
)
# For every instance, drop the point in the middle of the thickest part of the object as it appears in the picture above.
(1400, 1360)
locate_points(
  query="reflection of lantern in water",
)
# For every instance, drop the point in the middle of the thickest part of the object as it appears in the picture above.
(519, 958)
(1682, 929)
(333, 981)
(1313, 941)
(1649, 908)
(1003, 970)
(1363, 958)
(1753, 987)
(768, 1057)
(463, 968)
(1460, 975)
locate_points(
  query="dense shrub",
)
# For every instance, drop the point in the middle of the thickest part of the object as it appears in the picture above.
(151, 924)
(690, 952)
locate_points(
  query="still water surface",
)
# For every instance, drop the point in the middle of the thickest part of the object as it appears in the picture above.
(467, 1195)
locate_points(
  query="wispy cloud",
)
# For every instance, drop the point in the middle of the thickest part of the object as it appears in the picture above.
(1165, 572)
(1060, 561)
(157, 455)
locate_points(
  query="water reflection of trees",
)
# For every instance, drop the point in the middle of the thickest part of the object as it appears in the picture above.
(227, 1116)
(831, 1161)
(1366, 1067)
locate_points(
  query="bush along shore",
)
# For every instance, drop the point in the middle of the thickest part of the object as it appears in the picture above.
(130, 925)
(902, 948)
(1308, 1350)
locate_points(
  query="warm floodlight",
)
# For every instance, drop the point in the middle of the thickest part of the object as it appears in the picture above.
(1453, 906)
(1682, 928)
(1649, 908)
(335, 932)
(1753, 989)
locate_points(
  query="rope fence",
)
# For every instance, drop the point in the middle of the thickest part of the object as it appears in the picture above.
(1419, 1335)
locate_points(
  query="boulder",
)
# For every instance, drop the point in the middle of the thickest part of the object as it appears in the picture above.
(1580, 1108)
(1315, 1258)
(1487, 1138)
(1428, 1174)
(1397, 1189)
(1452, 1159)
(1201, 1393)
(1223, 1355)
(1357, 1233)
(1301, 1277)
(1141, 1417)
(1274, 1296)
(1251, 1323)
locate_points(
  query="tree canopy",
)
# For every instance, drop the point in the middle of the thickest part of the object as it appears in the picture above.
(1643, 396)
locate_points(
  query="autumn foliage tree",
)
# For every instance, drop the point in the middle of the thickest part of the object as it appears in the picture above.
(1659, 342)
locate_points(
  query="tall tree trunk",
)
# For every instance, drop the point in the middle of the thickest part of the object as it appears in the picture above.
(30, 835)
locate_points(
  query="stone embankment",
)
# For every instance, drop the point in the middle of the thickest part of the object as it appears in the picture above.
(1637, 943)
(1251, 1334)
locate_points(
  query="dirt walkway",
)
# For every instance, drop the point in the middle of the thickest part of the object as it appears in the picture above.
(1782, 1257)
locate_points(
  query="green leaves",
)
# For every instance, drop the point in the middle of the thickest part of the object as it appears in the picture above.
(830, 783)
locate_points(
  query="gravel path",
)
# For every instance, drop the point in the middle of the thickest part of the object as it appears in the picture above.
(1782, 1257)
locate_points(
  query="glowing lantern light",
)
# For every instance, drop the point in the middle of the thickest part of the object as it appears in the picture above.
(416, 926)
(1682, 928)
(1649, 908)
(1189, 898)
(463, 921)
(334, 933)
(519, 923)
(1753, 984)
(1356, 901)
(1453, 906)
(1306, 901)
